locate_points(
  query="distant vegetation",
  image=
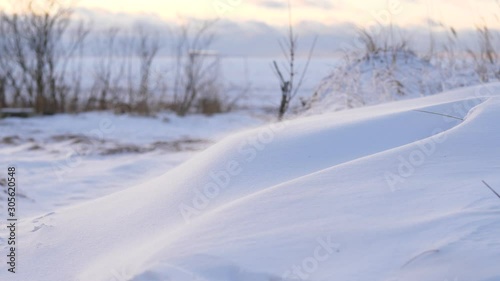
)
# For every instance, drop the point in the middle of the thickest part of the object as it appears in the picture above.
(41, 65)
(386, 67)
(42, 47)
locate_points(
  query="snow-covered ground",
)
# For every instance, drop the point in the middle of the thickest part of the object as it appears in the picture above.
(66, 159)
(383, 193)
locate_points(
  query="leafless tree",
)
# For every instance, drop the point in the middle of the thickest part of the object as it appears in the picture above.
(108, 71)
(3, 102)
(287, 72)
(4, 73)
(70, 71)
(35, 43)
(196, 68)
(132, 69)
(147, 50)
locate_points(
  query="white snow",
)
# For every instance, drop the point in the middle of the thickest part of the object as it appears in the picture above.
(380, 193)
(67, 159)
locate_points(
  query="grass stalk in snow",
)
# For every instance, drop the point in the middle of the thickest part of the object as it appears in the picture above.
(491, 188)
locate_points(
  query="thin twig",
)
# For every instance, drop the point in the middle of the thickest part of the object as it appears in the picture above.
(304, 71)
(488, 186)
(278, 72)
(441, 114)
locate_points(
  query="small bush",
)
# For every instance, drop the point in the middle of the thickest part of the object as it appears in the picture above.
(385, 68)
(210, 106)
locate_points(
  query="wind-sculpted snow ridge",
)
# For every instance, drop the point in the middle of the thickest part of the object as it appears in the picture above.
(390, 192)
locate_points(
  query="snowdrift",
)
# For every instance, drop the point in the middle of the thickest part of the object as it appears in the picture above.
(390, 75)
(390, 192)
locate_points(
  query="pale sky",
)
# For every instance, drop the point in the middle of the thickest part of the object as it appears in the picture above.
(253, 26)
(456, 13)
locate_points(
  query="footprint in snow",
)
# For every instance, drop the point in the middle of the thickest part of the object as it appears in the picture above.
(42, 217)
(38, 227)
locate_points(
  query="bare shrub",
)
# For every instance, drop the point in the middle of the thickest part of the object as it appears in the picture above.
(383, 67)
(197, 70)
(210, 106)
(123, 79)
(3, 102)
(37, 53)
(147, 49)
(286, 74)
(486, 58)
(108, 71)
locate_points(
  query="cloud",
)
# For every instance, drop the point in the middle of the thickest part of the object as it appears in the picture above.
(103, 19)
(320, 4)
(272, 4)
(281, 4)
(257, 38)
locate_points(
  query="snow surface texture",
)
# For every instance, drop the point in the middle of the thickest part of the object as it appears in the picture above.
(379, 193)
(67, 159)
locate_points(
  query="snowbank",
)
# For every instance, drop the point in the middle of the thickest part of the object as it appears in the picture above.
(389, 192)
(390, 75)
